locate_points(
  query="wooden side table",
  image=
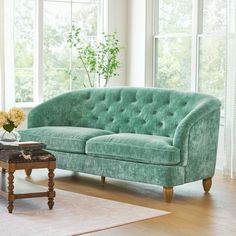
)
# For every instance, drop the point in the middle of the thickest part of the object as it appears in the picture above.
(12, 160)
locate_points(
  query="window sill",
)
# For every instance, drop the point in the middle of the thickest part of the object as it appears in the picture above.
(26, 105)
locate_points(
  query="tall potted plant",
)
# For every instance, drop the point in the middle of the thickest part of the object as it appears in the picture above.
(101, 60)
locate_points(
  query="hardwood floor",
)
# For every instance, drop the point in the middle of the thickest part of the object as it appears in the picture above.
(192, 211)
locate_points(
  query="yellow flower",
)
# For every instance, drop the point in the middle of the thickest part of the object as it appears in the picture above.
(16, 115)
(3, 118)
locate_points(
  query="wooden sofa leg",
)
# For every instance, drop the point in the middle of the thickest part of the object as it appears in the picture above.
(28, 172)
(103, 179)
(168, 193)
(207, 184)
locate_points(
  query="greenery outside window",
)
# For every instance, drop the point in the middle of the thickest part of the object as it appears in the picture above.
(190, 45)
(42, 59)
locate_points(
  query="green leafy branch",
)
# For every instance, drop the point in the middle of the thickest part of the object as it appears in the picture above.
(101, 59)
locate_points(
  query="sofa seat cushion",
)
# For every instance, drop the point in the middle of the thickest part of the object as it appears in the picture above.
(62, 138)
(135, 148)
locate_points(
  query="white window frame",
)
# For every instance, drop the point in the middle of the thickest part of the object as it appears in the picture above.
(196, 35)
(38, 52)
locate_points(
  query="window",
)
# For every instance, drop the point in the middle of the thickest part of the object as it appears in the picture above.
(24, 33)
(43, 60)
(190, 45)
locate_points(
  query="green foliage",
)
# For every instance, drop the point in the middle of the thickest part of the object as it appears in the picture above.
(107, 57)
(174, 63)
(86, 53)
(9, 127)
(101, 59)
(173, 54)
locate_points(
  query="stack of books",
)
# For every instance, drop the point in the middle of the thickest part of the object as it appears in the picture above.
(29, 145)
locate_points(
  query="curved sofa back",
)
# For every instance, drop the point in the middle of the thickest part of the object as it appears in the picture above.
(121, 110)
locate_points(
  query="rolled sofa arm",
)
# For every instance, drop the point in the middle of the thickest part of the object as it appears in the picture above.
(197, 137)
(54, 112)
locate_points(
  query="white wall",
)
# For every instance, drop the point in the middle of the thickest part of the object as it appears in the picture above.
(136, 42)
(1, 57)
(140, 43)
(116, 21)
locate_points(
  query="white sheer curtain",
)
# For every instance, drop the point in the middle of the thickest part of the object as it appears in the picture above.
(230, 107)
(1, 55)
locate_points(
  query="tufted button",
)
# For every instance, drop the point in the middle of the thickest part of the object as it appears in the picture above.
(154, 112)
(170, 113)
(111, 119)
(95, 118)
(160, 124)
(143, 122)
(126, 120)
(88, 96)
(122, 110)
(118, 98)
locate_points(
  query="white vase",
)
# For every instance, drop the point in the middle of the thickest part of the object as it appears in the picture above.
(5, 136)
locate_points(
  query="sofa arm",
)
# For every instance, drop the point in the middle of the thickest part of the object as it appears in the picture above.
(197, 137)
(54, 112)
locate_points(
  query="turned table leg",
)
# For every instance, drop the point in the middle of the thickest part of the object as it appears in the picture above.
(103, 179)
(10, 191)
(51, 192)
(168, 193)
(207, 184)
(28, 172)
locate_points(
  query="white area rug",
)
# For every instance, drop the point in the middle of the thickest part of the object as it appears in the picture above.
(73, 214)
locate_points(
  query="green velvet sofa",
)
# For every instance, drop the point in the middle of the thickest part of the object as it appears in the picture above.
(148, 135)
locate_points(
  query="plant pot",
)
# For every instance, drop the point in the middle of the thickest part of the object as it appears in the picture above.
(5, 136)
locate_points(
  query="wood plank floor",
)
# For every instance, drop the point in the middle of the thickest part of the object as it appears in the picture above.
(192, 212)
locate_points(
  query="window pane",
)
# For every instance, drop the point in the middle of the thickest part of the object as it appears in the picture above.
(214, 16)
(80, 1)
(85, 16)
(24, 85)
(56, 81)
(24, 49)
(56, 28)
(173, 58)
(212, 68)
(79, 79)
(175, 16)
(62, 67)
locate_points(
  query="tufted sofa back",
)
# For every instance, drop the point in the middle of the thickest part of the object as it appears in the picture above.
(122, 110)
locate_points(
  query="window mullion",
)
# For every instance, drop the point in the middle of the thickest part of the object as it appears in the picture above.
(38, 55)
(71, 49)
(196, 29)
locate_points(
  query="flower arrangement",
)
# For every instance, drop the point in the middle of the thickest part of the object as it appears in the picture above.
(11, 119)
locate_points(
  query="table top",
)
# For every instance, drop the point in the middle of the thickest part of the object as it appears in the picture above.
(24, 154)
(22, 145)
